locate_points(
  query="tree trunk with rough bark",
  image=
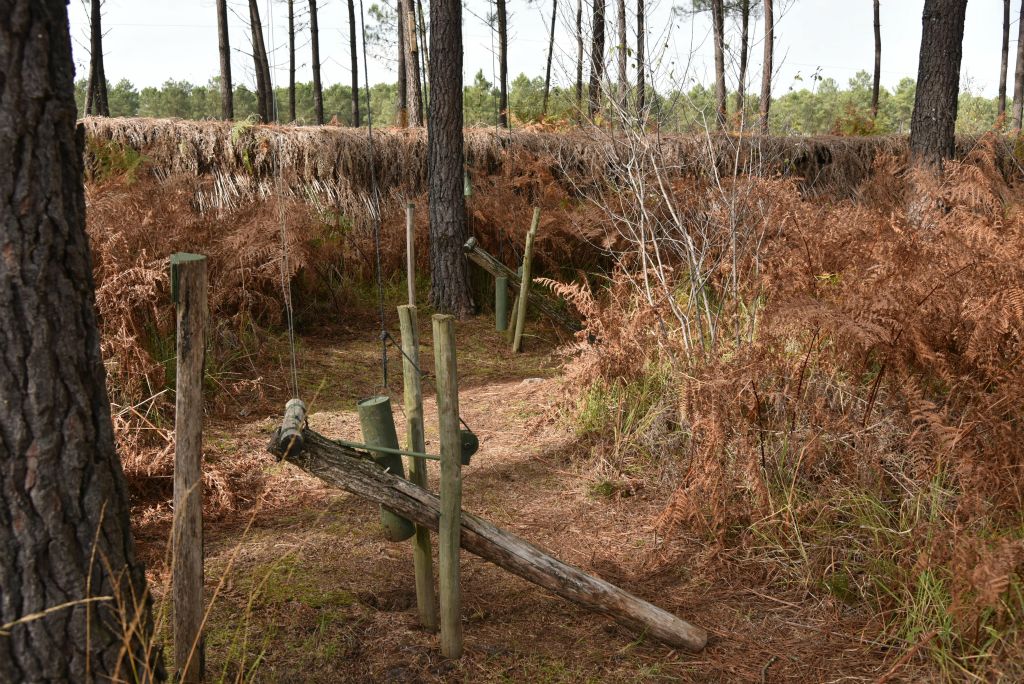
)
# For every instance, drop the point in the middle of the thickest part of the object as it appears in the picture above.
(264, 84)
(579, 58)
(412, 64)
(876, 84)
(1004, 63)
(401, 101)
(551, 51)
(596, 59)
(767, 67)
(933, 123)
(291, 60)
(502, 64)
(355, 62)
(314, 42)
(622, 49)
(449, 271)
(641, 76)
(64, 527)
(741, 86)
(96, 101)
(1018, 76)
(424, 56)
(718, 31)
(227, 99)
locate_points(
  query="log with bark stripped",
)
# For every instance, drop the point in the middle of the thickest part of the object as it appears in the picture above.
(352, 470)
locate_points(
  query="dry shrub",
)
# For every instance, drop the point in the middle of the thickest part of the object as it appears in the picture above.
(865, 394)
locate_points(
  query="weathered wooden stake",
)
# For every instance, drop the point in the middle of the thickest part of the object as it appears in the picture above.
(188, 289)
(451, 484)
(422, 560)
(410, 253)
(500, 303)
(378, 426)
(524, 285)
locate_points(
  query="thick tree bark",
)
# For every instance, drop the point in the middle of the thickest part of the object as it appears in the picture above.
(355, 62)
(933, 123)
(264, 84)
(596, 59)
(291, 60)
(227, 99)
(412, 64)
(1004, 63)
(579, 58)
(641, 76)
(718, 30)
(622, 48)
(767, 67)
(449, 271)
(876, 84)
(96, 101)
(502, 64)
(741, 86)
(64, 526)
(401, 106)
(551, 52)
(318, 91)
(1018, 76)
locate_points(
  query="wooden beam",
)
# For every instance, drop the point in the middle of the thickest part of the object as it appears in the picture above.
(549, 306)
(348, 469)
(524, 286)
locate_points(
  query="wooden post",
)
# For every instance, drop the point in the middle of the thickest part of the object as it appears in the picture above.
(378, 425)
(451, 484)
(524, 285)
(500, 303)
(410, 253)
(188, 289)
(422, 560)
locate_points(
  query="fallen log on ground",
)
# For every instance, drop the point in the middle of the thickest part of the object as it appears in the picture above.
(549, 306)
(352, 470)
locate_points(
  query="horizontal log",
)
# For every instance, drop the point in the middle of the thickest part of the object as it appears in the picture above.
(547, 305)
(350, 469)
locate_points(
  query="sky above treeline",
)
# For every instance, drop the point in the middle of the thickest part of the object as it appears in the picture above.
(151, 41)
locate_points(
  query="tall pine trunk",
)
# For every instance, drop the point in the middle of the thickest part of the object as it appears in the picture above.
(96, 99)
(622, 47)
(1004, 64)
(579, 58)
(412, 64)
(291, 60)
(767, 68)
(551, 51)
(741, 87)
(876, 84)
(1018, 76)
(718, 29)
(933, 123)
(227, 99)
(424, 56)
(264, 84)
(314, 41)
(355, 63)
(502, 64)
(596, 59)
(449, 270)
(401, 106)
(64, 526)
(641, 76)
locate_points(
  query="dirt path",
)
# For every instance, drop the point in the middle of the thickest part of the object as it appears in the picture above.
(307, 590)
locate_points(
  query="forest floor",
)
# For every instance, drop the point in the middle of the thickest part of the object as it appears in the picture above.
(305, 589)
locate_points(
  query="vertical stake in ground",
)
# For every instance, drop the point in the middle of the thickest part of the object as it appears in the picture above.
(422, 560)
(451, 484)
(410, 253)
(188, 289)
(524, 285)
(500, 303)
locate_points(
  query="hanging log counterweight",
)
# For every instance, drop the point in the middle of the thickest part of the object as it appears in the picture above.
(348, 469)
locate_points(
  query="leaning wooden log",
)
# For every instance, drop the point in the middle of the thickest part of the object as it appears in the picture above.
(547, 305)
(353, 471)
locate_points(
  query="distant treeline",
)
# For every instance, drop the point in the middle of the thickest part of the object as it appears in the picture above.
(822, 109)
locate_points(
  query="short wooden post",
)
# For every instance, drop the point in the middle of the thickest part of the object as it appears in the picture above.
(410, 253)
(378, 425)
(510, 328)
(450, 523)
(188, 289)
(524, 285)
(501, 303)
(422, 560)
